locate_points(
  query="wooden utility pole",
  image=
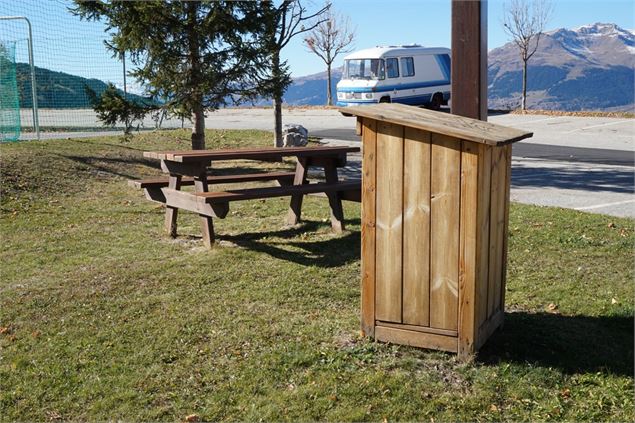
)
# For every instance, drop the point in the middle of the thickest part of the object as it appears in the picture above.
(469, 58)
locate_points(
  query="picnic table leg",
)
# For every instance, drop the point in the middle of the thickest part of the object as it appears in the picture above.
(337, 213)
(172, 212)
(207, 225)
(295, 207)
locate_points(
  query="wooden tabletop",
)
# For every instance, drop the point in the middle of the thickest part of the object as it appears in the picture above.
(255, 153)
(440, 123)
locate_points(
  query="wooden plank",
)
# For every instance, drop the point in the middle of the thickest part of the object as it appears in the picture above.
(444, 231)
(335, 203)
(415, 328)
(197, 156)
(389, 204)
(488, 327)
(207, 225)
(497, 216)
(295, 206)
(508, 176)
(441, 123)
(468, 233)
(416, 339)
(469, 59)
(189, 201)
(271, 192)
(482, 262)
(369, 164)
(214, 179)
(171, 212)
(358, 126)
(416, 231)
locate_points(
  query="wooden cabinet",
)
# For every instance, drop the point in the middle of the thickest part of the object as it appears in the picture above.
(435, 205)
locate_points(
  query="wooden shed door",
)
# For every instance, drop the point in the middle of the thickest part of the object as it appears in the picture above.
(416, 227)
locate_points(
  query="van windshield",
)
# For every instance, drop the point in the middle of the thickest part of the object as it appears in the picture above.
(364, 69)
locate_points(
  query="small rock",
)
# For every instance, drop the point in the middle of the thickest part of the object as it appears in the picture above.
(294, 135)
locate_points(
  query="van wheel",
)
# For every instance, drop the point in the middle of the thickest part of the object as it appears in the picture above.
(385, 100)
(437, 101)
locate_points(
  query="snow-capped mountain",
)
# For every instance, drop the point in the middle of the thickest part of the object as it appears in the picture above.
(587, 68)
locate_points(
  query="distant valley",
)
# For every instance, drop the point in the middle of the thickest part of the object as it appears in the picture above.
(586, 68)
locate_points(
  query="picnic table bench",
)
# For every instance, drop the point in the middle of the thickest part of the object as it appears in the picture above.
(192, 167)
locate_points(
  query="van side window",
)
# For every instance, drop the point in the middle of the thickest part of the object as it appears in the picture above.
(392, 68)
(407, 66)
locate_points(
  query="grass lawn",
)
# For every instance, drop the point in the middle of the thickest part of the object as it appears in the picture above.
(102, 317)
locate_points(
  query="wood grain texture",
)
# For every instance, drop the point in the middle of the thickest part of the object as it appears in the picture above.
(468, 293)
(497, 216)
(369, 163)
(207, 224)
(215, 179)
(425, 329)
(508, 176)
(335, 203)
(416, 339)
(252, 153)
(444, 231)
(388, 222)
(171, 213)
(484, 186)
(441, 123)
(488, 327)
(295, 205)
(416, 231)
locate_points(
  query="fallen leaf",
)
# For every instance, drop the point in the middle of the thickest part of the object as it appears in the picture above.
(614, 301)
(493, 408)
(552, 307)
(192, 418)
(611, 225)
(4, 330)
(566, 393)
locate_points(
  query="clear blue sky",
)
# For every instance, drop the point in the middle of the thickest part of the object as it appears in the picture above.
(64, 43)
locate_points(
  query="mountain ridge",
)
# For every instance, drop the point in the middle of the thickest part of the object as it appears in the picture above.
(568, 72)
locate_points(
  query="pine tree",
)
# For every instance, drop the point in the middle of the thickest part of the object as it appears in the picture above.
(196, 54)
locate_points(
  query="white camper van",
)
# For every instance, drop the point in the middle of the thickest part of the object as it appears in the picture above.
(408, 74)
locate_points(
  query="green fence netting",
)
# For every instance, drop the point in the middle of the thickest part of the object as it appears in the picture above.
(9, 97)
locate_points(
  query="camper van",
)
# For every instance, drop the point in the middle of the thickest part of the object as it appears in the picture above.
(408, 74)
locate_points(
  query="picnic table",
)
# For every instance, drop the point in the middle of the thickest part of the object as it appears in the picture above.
(194, 167)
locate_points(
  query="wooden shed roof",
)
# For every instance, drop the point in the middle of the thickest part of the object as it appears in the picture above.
(441, 123)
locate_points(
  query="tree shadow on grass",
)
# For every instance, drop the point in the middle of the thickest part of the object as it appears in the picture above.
(334, 251)
(573, 344)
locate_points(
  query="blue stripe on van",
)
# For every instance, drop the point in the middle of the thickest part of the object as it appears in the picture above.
(385, 88)
(413, 99)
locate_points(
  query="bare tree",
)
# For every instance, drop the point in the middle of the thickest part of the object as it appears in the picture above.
(330, 38)
(524, 21)
(290, 18)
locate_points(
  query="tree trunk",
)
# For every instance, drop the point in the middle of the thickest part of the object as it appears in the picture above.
(198, 128)
(329, 94)
(277, 116)
(194, 77)
(277, 102)
(523, 98)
